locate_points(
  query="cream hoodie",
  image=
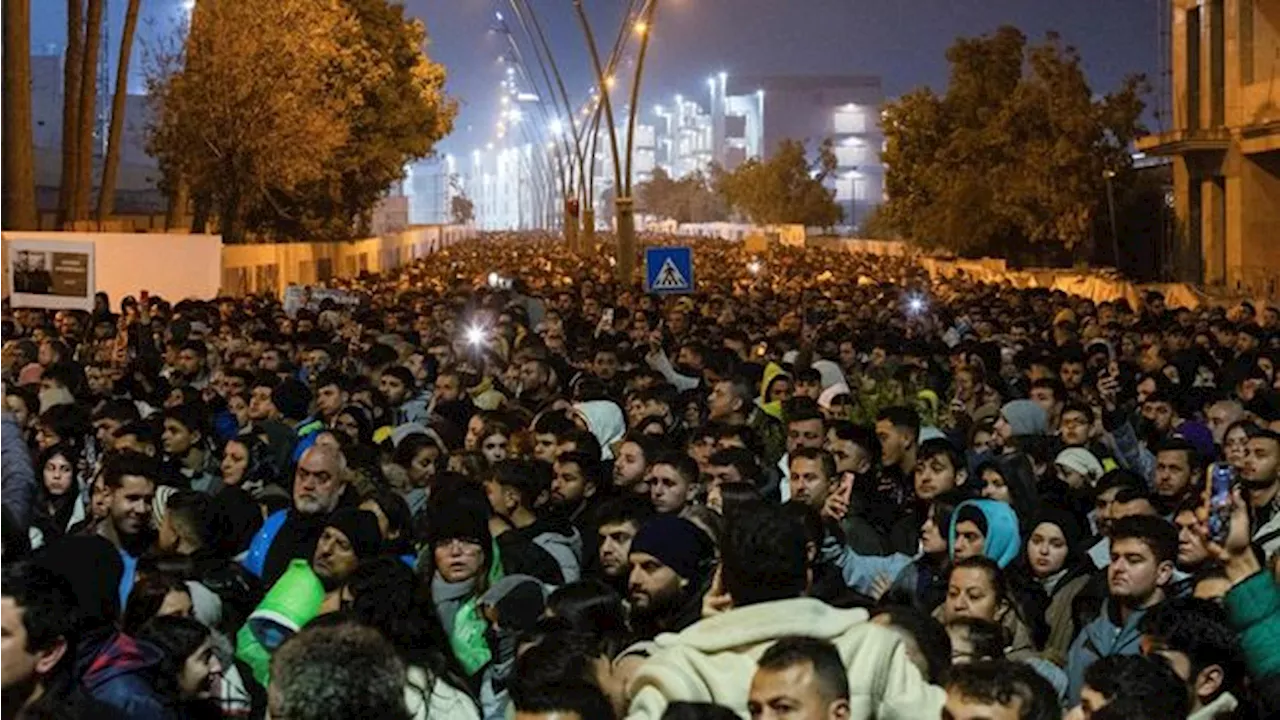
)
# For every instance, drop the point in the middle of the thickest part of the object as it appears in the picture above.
(714, 660)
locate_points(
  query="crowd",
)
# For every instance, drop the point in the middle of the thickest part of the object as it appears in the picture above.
(497, 483)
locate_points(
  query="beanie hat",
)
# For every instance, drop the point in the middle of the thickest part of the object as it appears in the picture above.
(1025, 417)
(292, 399)
(1199, 436)
(459, 520)
(361, 529)
(1082, 461)
(1066, 522)
(676, 543)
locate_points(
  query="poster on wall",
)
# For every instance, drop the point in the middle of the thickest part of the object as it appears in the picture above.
(51, 274)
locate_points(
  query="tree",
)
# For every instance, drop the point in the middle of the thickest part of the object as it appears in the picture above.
(111, 166)
(786, 188)
(402, 114)
(82, 190)
(691, 199)
(259, 97)
(1013, 153)
(462, 210)
(19, 211)
(71, 70)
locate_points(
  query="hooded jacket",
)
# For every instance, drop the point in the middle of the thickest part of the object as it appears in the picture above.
(550, 549)
(605, 421)
(1002, 542)
(714, 659)
(1101, 638)
(118, 673)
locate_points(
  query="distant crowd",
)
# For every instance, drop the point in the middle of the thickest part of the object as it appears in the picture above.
(498, 483)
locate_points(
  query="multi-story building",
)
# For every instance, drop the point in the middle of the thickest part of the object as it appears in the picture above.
(1223, 100)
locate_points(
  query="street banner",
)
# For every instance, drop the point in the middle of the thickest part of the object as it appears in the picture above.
(297, 297)
(51, 274)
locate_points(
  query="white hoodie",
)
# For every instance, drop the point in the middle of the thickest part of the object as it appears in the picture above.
(714, 660)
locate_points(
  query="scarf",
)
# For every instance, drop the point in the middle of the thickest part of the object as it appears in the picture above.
(459, 613)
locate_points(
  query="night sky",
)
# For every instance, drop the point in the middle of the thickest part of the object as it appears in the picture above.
(901, 40)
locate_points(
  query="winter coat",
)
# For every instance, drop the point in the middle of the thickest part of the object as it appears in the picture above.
(440, 701)
(714, 660)
(19, 486)
(1101, 638)
(550, 549)
(1253, 608)
(119, 672)
(1062, 627)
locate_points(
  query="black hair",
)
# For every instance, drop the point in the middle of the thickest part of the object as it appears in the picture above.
(332, 377)
(523, 476)
(189, 416)
(1003, 682)
(191, 510)
(343, 671)
(1180, 445)
(744, 461)
(50, 610)
(935, 447)
(179, 638)
(802, 409)
(698, 711)
(764, 556)
(1157, 533)
(117, 464)
(122, 411)
(592, 607)
(929, 634)
(583, 698)
(67, 374)
(1200, 630)
(828, 668)
(988, 638)
(685, 466)
(582, 440)
(822, 457)
(553, 423)
(903, 418)
(592, 469)
(1139, 687)
(404, 375)
(633, 508)
(1120, 478)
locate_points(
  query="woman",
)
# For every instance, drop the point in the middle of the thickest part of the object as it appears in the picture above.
(977, 588)
(1054, 562)
(245, 465)
(383, 594)
(1011, 479)
(459, 564)
(238, 408)
(356, 423)
(57, 505)
(1234, 441)
(395, 523)
(922, 584)
(420, 457)
(155, 594)
(189, 672)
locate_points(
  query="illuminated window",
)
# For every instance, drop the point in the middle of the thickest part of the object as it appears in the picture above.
(850, 119)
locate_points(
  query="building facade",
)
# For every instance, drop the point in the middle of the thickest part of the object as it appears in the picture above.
(1224, 138)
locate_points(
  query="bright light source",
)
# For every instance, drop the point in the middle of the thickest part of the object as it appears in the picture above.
(916, 304)
(475, 335)
(496, 14)
(489, 146)
(723, 76)
(556, 127)
(610, 81)
(753, 267)
(642, 27)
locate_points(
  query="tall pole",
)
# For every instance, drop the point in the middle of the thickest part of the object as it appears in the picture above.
(1111, 210)
(603, 85)
(624, 202)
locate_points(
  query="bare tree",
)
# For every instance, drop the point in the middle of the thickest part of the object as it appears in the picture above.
(19, 163)
(111, 166)
(88, 110)
(71, 70)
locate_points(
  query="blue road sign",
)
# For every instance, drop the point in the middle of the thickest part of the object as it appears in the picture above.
(668, 270)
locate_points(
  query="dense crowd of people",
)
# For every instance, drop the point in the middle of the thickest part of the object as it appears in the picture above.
(497, 483)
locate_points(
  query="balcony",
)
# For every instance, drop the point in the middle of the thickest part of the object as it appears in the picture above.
(1184, 142)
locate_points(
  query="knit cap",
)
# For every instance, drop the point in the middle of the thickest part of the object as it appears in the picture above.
(361, 529)
(1082, 461)
(675, 542)
(1025, 417)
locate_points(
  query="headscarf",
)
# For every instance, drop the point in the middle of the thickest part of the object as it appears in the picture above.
(1001, 542)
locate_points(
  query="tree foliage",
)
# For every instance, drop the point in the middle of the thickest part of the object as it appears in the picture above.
(295, 116)
(462, 210)
(786, 188)
(691, 199)
(1014, 152)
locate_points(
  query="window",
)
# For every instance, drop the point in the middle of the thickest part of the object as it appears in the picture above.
(1217, 64)
(849, 120)
(1193, 68)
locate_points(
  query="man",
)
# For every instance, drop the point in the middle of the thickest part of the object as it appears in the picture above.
(109, 417)
(139, 437)
(1143, 552)
(632, 461)
(350, 537)
(999, 690)
(813, 477)
(805, 429)
(898, 430)
(547, 431)
(673, 482)
(669, 561)
(1075, 425)
(335, 673)
(808, 383)
(38, 616)
(1131, 687)
(759, 597)
(1260, 478)
(185, 449)
(400, 389)
(1179, 475)
(319, 488)
(1193, 556)
(544, 546)
(20, 481)
(1221, 415)
(332, 394)
(577, 486)
(1070, 375)
(1019, 419)
(1050, 395)
(800, 678)
(539, 385)
(1194, 638)
(618, 522)
(731, 465)
(730, 401)
(190, 367)
(130, 479)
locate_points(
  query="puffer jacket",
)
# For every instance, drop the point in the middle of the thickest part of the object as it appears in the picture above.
(1101, 638)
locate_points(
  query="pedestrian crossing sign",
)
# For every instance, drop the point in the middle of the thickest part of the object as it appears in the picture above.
(668, 270)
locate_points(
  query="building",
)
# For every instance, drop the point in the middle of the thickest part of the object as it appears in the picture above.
(1223, 99)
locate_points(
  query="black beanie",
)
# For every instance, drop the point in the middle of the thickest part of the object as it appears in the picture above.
(361, 529)
(676, 543)
(459, 520)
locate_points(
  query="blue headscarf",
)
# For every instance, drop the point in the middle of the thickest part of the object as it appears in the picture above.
(1002, 542)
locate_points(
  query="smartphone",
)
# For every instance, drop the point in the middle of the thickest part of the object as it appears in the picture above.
(1221, 479)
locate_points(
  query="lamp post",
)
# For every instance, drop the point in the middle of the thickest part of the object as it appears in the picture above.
(624, 201)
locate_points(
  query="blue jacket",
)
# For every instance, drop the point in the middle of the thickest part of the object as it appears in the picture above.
(1100, 638)
(19, 485)
(119, 673)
